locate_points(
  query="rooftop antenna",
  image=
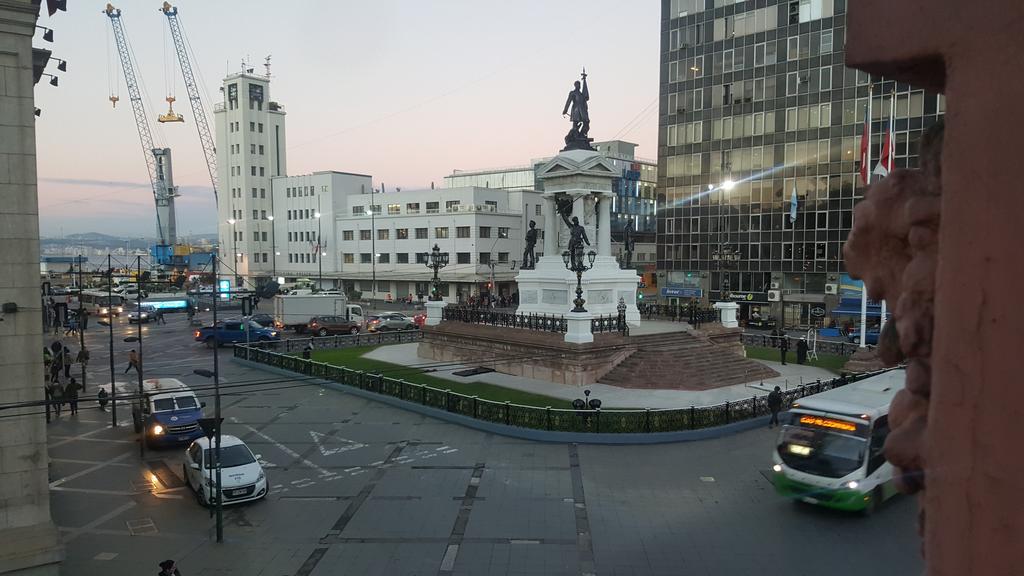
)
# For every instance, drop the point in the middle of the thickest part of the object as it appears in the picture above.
(243, 65)
(266, 64)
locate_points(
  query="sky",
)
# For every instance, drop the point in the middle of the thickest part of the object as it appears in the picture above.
(403, 90)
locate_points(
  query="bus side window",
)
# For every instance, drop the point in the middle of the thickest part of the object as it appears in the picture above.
(876, 452)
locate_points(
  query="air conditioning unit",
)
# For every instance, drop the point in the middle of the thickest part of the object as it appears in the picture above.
(774, 296)
(775, 286)
(831, 288)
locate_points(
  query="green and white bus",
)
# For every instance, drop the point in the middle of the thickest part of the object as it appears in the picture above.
(829, 451)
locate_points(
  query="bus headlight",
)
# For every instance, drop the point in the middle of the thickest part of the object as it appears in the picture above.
(104, 311)
(157, 430)
(777, 468)
(852, 484)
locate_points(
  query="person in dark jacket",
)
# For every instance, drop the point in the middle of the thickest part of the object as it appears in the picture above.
(168, 568)
(783, 348)
(71, 394)
(774, 405)
(801, 350)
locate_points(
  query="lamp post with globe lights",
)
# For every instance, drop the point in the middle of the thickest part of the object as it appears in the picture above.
(435, 261)
(577, 265)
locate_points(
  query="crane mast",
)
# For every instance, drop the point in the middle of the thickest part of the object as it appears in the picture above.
(158, 160)
(198, 112)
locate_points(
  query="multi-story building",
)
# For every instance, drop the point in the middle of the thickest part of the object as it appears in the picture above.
(755, 102)
(302, 239)
(250, 151)
(634, 189)
(382, 240)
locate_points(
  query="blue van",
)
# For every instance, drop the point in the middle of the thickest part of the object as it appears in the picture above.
(168, 412)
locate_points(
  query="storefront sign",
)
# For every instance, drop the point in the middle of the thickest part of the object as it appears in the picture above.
(817, 311)
(679, 292)
(749, 296)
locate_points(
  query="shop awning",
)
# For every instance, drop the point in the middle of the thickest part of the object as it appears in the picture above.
(873, 311)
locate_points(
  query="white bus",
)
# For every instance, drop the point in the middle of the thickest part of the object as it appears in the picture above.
(98, 303)
(829, 451)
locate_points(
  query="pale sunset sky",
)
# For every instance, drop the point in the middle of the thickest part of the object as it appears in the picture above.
(403, 90)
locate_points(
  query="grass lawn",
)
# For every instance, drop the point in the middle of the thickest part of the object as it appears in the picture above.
(826, 361)
(353, 358)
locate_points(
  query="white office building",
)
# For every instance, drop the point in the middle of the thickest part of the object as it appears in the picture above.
(250, 139)
(383, 240)
(305, 207)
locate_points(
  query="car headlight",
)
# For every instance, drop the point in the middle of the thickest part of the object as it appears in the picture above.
(852, 484)
(158, 430)
(142, 315)
(273, 333)
(261, 476)
(103, 310)
(777, 468)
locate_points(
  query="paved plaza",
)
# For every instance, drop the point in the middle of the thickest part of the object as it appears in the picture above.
(358, 487)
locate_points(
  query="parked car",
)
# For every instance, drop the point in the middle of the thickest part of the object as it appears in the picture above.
(242, 477)
(265, 320)
(142, 314)
(390, 321)
(328, 325)
(233, 332)
(871, 335)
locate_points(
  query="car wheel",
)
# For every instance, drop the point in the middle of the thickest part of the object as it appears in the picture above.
(353, 330)
(382, 329)
(321, 332)
(211, 342)
(201, 498)
(856, 340)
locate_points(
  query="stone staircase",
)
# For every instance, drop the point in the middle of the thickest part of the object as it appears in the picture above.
(683, 361)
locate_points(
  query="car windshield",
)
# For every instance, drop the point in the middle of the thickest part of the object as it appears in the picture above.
(163, 404)
(819, 452)
(230, 456)
(186, 402)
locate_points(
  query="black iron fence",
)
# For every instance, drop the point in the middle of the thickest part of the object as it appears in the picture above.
(340, 341)
(680, 313)
(835, 348)
(474, 315)
(541, 418)
(609, 323)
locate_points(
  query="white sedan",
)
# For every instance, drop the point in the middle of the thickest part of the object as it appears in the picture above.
(241, 474)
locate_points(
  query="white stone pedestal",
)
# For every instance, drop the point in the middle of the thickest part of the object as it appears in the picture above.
(578, 331)
(729, 310)
(550, 288)
(434, 309)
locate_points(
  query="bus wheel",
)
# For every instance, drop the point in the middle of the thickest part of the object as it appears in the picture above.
(875, 503)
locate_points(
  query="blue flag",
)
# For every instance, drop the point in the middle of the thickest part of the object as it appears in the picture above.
(792, 206)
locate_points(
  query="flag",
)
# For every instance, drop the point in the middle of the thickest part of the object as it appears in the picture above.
(885, 159)
(792, 206)
(865, 145)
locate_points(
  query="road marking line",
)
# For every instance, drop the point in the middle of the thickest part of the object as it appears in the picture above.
(707, 479)
(88, 470)
(75, 532)
(285, 449)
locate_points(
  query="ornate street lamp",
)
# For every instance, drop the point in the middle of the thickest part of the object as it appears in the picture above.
(435, 262)
(576, 264)
(726, 256)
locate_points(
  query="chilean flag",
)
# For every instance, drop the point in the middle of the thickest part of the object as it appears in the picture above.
(865, 143)
(885, 160)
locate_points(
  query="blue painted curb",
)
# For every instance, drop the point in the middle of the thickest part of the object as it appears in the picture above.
(529, 433)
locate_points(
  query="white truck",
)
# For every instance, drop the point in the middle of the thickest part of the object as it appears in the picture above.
(295, 311)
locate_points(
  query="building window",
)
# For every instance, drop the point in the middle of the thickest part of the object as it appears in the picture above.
(383, 234)
(394, 209)
(253, 192)
(252, 126)
(502, 232)
(826, 41)
(485, 257)
(261, 128)
(375, 208)
(421, 233)
(485, 232)
(462, 258)
(358, 211)
(252, 148)
(401, 233)
(412, 208)
(256, 235)
(402, 258)
(346, 235)
(433, 207)
(366, 258)
(538, 210)
(348, 258)
(261, 150)
(441, 232)
(255, 214)
(252, 170)
(462, 232)
(262, 171)
(502, 257)
(365, 235)
(290, 257)
(384, 258)
(264, 235)
(826, 78)
(421, 257)
(451, 205)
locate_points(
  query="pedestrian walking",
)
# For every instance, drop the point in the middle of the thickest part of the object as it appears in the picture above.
(71, 394)
(57, 364)
(160, 317)
(66, 359)
(133, 362)
(783, 348)
(83, 357)
(307, 352)
(774, 405)
(102, 398)
(801, 350)
(168, 568)
(56, 394)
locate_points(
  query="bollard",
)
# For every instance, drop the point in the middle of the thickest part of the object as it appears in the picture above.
(508, 414)
(547, 413)
(647, 420)
(693, 414)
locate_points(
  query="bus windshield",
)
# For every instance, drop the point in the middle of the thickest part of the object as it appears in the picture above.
(820, 452)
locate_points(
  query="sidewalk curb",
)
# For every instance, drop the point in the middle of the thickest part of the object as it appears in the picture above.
(530, 433)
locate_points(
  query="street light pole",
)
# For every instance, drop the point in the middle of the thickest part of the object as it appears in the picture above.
(234, 254)
(435, 261)
(81, 320)
(319, 258)
(574, 263)
(373, 244)
(273, 246)
(217, 417)
(110, 331)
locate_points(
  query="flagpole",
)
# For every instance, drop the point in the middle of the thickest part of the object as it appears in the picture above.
(867, 181)
(892, 165)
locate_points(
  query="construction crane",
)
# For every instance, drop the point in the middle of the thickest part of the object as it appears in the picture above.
(158, 160)
(202, 124)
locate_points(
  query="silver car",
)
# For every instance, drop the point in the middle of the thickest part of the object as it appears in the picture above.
(391, 321)
(142, 313)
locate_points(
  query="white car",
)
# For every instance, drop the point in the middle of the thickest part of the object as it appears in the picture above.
(242, 476)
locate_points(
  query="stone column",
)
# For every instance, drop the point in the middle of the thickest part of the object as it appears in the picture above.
(551, 220)
(604, 226)
(28, 539)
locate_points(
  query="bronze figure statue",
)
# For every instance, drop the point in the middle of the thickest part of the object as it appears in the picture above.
(629, 244)
(529, 256)
(577, 238)
(579, 116)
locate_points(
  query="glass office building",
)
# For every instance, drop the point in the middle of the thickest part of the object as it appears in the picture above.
(756, 103)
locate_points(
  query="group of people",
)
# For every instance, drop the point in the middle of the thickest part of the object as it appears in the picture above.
(57, 317)
(60, 386)
(783, 339)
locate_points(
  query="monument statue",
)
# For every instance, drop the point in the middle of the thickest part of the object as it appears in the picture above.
(529, 257)
(628, 244)
(579, 116)
(577, 238)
